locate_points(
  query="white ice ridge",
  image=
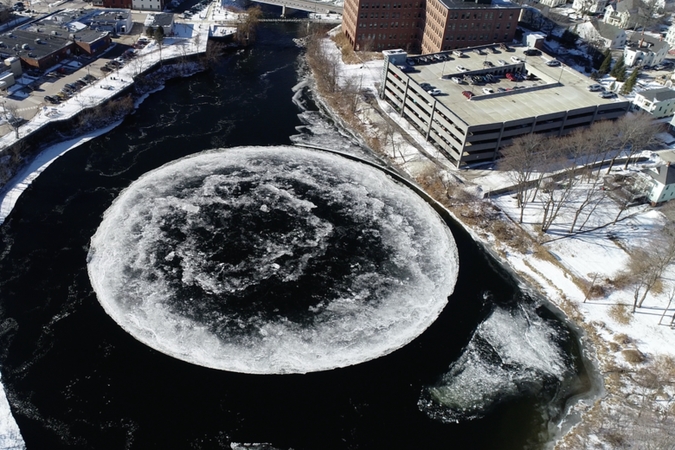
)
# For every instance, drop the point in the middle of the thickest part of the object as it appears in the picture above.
(510, 351)
(151, 243)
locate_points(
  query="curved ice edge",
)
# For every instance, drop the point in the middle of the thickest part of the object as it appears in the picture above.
(17, 185)
(11, 192)
(385, 172)
(10, 435)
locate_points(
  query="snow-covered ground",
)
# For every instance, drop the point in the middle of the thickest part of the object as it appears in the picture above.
(582, 259)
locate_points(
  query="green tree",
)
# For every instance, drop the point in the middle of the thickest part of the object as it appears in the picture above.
(606, 63)
(619, 70)
(630, 82)
(150, 32)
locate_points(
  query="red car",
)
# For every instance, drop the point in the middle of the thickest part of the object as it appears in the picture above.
(467, 94)
(511, 77)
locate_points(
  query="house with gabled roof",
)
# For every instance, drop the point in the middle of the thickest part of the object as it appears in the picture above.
(658, 102)
(602, 34)
(644, 50)
(622, 14)
(661, 183)
(589, 6)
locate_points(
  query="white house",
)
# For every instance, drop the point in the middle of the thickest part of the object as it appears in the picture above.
(589, 6)
(670, 35)
(163, 20)
(659, 102)
(552, 3)
(622, 14)
(661, 183)
(644, 50)
(602, 34)
(148, 5)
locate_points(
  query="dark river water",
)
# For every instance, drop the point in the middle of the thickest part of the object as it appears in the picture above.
(77, 380)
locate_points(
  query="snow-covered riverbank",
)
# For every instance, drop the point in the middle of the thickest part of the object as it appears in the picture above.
(626, 347)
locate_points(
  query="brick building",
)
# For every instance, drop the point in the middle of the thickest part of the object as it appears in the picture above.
(428, 26)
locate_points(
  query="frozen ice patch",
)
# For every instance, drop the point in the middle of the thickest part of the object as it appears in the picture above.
(511, 352)
(272, 260)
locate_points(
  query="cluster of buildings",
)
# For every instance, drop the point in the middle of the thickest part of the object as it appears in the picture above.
(143, 5)
(427, 26)
(43, 43)
(472, 130)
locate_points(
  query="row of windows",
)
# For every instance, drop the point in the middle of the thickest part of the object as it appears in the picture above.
(364, 36)
(474, 37)
(386, 15)
(395, 6)
(385, 25)
(473, 25)
(477, 15)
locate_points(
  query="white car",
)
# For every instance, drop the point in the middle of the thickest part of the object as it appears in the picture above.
(515, 59)
(435, 92)
(501, 62)
(462, 69)
(553, 63)
(457, 80)
(487, 90)
(595, 88)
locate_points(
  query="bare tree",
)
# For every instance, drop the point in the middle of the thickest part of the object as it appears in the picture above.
(137, 66)
(636, 132)
(649, 13)
(557, 191)
(11, 115)
(159, 38)
(630, 194)
(247, 25)
(648, 264)
(602, 137)
(350, 93)
(327, 64)
(522, 159)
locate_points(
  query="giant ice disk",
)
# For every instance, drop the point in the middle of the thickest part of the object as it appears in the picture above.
(272, 260)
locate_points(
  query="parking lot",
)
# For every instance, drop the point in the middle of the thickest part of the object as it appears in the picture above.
(26, 98)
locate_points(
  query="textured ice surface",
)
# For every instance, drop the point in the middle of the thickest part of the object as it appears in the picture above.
(10, 436)
(272, 260)
(511, 352)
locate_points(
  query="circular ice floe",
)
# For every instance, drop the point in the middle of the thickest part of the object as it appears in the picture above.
(272, 260)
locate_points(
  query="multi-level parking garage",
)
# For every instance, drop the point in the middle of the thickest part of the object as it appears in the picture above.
(484, 97)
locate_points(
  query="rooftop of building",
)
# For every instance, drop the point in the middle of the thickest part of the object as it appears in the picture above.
(459, 4)
(658, 94)
(19, 42)
(664, 174)
(158, 19)
(643, 42)
(606, 30)
(555, 89)
(87, 25)
(88, 17)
